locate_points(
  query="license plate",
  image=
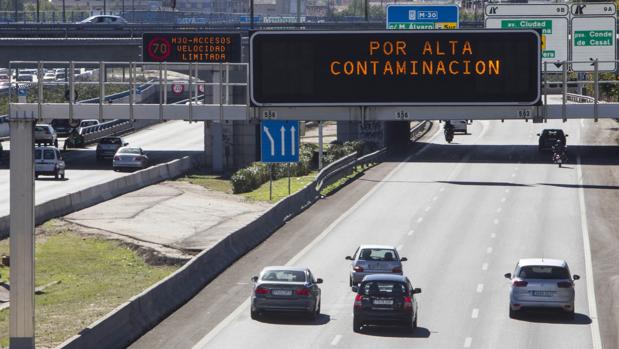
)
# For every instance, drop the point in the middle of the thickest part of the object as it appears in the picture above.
(374, 266)
(542, 293)
(281, 292)
(383, 302)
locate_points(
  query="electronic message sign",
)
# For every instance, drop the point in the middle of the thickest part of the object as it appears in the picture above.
(191, 47)
(444, 67)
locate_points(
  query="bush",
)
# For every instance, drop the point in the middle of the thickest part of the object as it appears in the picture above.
(253, 176)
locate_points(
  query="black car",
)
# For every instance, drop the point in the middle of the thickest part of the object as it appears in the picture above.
(385, 299)
(62, 127)
(549, 137)
(108, 146)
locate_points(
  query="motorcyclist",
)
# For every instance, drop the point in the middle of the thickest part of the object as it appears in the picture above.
(448, 131)
(559, 152)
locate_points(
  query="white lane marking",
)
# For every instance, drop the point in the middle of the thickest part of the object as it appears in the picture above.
(507, 190)
(484, 266)
(467, 342)
(582, 122)
(336, 339)
(489, 250)
(435, 198)
(419, 220)
(503, 199)
(428, 208)
(480, 288)
(498, 210)
(399, 248)
(596, 339)
(243, 307)
(513, 175)
(442, 189)
(475, 313)
(242, 283)
(493, 235)
(411, 232)
(496, 221)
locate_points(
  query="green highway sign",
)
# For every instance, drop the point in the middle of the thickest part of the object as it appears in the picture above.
(593, 38)
(544, 24)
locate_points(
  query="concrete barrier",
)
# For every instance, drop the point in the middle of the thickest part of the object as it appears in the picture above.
(131, 320)
(102, 192)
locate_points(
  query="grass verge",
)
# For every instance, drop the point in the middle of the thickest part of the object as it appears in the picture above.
(280, 188)
(95, 276)
(213, 182)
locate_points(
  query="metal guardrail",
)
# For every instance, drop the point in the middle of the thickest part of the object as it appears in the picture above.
(573, 97)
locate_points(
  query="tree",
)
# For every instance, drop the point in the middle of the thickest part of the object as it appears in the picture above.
(9, 5)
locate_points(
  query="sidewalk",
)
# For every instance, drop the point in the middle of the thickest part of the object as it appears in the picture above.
(170, 217)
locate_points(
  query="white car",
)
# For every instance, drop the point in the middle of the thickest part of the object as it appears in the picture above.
(45, 134)
(48, 161)
(541, 283)
(103, 19)
(86, 123)
(129, 158)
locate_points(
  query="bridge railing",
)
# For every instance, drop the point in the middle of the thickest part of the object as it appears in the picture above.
(225, 85)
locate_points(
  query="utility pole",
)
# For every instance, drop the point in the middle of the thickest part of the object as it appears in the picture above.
(64, 12)
(38, 7)
(104, 7)
(251, 14)
(367, 13)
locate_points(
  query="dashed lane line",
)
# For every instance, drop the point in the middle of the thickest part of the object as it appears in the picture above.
(484, 266)
(467, 342)
(480, 288)
(489, 250)
(336, 340)
(475, 313)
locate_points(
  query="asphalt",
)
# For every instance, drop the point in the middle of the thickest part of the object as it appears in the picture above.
(162, 142)
(463, 214)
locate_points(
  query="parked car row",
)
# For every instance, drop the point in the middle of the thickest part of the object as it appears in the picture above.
(385, 296)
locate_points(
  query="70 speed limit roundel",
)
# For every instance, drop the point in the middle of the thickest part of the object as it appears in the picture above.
(158, 49)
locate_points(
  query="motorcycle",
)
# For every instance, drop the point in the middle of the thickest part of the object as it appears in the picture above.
(449, 133)
(559, 156)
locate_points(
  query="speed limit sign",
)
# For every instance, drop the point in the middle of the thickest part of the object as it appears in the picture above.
(178, 89)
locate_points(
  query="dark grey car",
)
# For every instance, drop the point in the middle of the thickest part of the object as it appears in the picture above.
(285, 289)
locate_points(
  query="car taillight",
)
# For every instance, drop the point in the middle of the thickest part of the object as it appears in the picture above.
(564, 284)
(397, 270)
(261, 290)
(520, 283)
(358, 268)
(408, 303)
(302, 292)
(117, 158)
(358, 301)
(137, 158)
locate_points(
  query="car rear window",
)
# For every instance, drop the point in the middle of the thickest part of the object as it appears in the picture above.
(284, 275)
(129, 151)
(48, 154)
(41, 129)
(382, 288)
(543, 272)
(377, 254)
(110, 141)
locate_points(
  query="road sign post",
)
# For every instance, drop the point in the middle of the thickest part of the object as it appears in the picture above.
(423, 16)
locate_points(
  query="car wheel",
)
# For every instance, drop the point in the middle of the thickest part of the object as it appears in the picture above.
(570, 315)
(414, 326)
(62, 175)
(56, 175)
(56, 143)
(36, 176)
(357, 326)
(255, 315)
(350, 282)
(513, 314)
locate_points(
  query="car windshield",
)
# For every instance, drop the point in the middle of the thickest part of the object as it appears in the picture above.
(60, 123)
(24, 78)
(377, 254)
(129, 151)
(48, 154)
(382, 288)
(41, 129)
(284, 275)
(543, 272)
(111, 141)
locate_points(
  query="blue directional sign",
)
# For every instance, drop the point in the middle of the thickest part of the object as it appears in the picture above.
(22, 90)
(279, 140)
(423, 16)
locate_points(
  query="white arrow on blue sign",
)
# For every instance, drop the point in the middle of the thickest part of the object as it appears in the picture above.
(279, 141)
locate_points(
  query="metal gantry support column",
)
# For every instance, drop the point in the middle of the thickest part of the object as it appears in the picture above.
(564, 106)
(320, 145)
(21, 325)
(596, 89)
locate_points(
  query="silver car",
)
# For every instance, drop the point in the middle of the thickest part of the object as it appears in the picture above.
(374, 259)
(45, 134)
(129, 158)
(541, 283)
(287, 289)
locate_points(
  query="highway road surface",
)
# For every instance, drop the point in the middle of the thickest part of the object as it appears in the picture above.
(162, 142)
(463, 214)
